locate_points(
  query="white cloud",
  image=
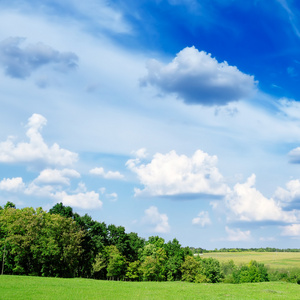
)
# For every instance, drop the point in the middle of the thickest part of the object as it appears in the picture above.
(108, 175)
(236, 235)
(12, 184)
(159, 222)
(54, 176)
(20, 63)
(141, 153)
(294, 156)
(45, 191)
(246, 203)
(102, 15)
(87, 200)
(290, 194)
(291, 230)
(171, 174)
(78, 198)
(198, 78)
(47, 186)
(289, 108)
(113, 197)
(36, 150)
(267, 239)
(202, 219)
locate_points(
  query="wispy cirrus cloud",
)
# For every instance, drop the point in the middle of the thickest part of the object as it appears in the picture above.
(292, 18)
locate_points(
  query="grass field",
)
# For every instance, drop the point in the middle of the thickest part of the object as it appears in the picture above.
(23, 287)
(275, 260)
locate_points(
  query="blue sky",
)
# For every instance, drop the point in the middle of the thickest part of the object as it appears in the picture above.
(177, 118)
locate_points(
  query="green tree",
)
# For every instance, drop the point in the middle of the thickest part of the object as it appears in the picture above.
(60, 209)
(190, 269)
(133, 271)
(99, 266)
(175, 257)
(9, 205)
(211, 269)
(153, 260)
(116, 267)
(39, 243)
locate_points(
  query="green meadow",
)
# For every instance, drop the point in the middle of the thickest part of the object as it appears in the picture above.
(274, 260)
(25, 287)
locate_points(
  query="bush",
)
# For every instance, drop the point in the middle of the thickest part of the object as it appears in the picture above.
(201, 270)
(253, 272)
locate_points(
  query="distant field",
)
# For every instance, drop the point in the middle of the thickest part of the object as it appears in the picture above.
(23, 287)
(285, 260)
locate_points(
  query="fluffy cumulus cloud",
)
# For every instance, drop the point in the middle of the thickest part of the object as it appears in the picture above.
(290, 196)
(158, 222)
(174, 175)
(107, 175)
(54, 176)
(291, 230)
(236, 235)
(80, 197)
(47, 186)
(12, 184)
(86, 200)
(202, 219)
(246, 203)
(21, 62)
(197, 78)
(36, 150)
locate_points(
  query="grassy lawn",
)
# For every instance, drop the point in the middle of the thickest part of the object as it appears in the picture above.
(278, 260)
(22, 287)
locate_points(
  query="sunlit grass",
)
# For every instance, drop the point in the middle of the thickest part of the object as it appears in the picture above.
(276, 260)
(22, 287)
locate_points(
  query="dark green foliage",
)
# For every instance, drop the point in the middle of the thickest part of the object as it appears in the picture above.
(176, 255)
(60, 209)
(211, 269)
(9, 205)
(253, 272)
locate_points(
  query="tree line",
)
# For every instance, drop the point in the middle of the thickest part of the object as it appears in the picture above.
(267, 249)
(61, 243)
